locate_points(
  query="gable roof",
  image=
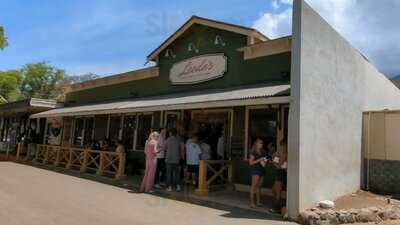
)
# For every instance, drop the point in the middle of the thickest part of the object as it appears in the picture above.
(250, 32)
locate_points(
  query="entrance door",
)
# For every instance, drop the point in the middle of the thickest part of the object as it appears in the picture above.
(171, 119)
(214, 127)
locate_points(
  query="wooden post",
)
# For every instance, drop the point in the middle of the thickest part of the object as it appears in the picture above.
(100, 170)
(85, 160)
(203, 187)
(230, 185)
(46, 154)
(70, 158)
(28, 152)
(121, 166)
(230, 172)
(57, 161)
(19, 149)
(38, 148)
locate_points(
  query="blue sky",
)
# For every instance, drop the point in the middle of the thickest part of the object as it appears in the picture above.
(107, 37)
(103, 36)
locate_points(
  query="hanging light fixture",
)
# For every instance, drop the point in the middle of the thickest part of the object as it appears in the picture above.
(192, 47)
(169, 53)
(218, 41)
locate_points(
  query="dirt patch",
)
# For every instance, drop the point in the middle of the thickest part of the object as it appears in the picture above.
(360, 207)
(361, 199)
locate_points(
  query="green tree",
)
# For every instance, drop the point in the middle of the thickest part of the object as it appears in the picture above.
(40, 80)
(74, 79)
(10, 82)
(3, 39)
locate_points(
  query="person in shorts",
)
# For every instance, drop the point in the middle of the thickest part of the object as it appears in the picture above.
(257, 162)
(193, 152)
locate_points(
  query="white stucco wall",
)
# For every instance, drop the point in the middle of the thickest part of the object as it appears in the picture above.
(332, 84)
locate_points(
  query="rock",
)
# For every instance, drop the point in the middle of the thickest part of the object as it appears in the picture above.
(353, 211)
(322, 222)
(308, 217)
(334, 220)
(389, 213)
(346, 218)
(374, 209)
(366, 215)
(326, 204)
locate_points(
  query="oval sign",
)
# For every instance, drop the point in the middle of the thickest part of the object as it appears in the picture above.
(198, 69)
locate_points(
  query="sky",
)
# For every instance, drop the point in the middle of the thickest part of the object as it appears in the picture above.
(108, 37)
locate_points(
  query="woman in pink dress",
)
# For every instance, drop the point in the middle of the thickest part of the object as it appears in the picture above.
(151, 150)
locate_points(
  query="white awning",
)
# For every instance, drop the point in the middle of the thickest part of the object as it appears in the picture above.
(208, 99)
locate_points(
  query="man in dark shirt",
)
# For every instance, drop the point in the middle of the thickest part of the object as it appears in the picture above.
(173, 154)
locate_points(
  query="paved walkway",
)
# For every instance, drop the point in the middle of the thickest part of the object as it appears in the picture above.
(29, 195)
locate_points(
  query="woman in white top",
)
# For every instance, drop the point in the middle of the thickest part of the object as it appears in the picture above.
(193, 152)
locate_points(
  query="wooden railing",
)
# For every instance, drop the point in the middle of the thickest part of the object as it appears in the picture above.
(213, 174)
(24, 151)
(101, 162)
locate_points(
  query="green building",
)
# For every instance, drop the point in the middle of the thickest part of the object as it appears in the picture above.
(220, 80)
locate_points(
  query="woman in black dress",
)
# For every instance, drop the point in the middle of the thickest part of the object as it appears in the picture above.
(257, 164)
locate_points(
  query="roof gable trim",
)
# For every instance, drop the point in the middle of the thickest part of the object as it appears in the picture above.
(250, 32)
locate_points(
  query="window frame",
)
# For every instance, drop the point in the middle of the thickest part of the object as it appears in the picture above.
(247, 117)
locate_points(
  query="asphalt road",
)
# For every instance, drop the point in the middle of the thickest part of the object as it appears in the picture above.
(33, 196)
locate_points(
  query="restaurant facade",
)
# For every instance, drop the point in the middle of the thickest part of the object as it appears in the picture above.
(228, 84)
(232, 84)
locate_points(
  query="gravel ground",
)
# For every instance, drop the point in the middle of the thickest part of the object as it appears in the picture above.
(33, 196)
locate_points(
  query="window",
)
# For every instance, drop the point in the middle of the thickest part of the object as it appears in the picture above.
(88, 136)
(115, 125)
(144, 129)
(262, 124)
(78, 132)
(67, 131)
(100, 127)
(171, 119)
(129, 131)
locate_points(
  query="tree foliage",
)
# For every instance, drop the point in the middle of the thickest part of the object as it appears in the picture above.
(40, 80)
(3, 39)
(74, 79)
(37, 80)
(10, 82)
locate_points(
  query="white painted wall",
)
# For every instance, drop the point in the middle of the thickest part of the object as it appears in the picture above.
(332, 84)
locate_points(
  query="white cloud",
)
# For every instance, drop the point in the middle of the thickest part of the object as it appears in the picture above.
(287, 2)
(369, 26)
(275, 4)
(275, 25)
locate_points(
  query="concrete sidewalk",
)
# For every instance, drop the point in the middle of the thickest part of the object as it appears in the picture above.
(30, 195)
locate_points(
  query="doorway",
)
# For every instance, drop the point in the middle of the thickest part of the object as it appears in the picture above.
(214, 127)
(171, 119)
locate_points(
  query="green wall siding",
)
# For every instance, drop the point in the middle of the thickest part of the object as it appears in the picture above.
(268, 69)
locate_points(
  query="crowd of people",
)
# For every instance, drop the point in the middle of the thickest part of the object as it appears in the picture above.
(166, 153)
